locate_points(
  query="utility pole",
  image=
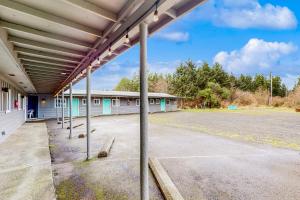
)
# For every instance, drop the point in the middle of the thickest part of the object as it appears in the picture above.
(271, 88)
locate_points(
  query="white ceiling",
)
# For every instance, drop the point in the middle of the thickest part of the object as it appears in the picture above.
(54, 41)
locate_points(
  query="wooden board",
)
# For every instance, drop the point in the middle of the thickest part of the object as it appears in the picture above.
(165, 183)
(104, 151)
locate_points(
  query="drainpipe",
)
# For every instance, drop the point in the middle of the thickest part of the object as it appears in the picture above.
(71, 100)
(62, 108)
(144, 108)
(88, 111)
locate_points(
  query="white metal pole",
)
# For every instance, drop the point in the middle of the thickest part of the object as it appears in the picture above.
(70, 106)
(88, 111)
(144, 107)
(62, 108)
(56, 101)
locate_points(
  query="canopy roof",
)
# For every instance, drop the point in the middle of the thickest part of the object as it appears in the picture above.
(44, 45)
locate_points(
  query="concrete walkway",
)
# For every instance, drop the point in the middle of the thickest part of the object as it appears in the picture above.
(25, 165)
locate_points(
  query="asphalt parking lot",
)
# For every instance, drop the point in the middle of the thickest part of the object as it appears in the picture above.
(208, 155)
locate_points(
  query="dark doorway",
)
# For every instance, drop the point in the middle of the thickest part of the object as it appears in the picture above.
(33, 105)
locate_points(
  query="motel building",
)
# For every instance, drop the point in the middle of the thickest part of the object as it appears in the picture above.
(48, 46)
(102, 103)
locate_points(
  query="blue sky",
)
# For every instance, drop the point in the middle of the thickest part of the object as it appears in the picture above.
(245, 36)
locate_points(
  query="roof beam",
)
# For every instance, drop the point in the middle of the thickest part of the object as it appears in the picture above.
(50, 77)
(18, 40)
(172, 13)
(129, 6)
(93, 9)
(49, 55)
(44, 78)
(48, 17)
(40, 82)
(31, 68)
(46, 66)
(60, 38)
(45, 60)
(51, 73)
(34, 69)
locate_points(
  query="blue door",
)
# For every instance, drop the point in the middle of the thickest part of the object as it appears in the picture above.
(75, 107)
(106, 106)
(163, 105)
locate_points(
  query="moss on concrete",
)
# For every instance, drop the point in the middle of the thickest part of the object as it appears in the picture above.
(78, 188)
(84, 163)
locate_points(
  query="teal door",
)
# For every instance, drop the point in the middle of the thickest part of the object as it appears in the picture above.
(106, 106)
(75, 107)
(163, 105)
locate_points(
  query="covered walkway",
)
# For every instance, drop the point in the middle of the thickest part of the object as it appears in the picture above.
(48, 46)
(25, 169)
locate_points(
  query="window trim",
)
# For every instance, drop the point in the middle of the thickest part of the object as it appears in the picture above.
(83, 102)
(117, 102)
(97, 101)
(168, 102)
(152, 101)
(157, 101)
(58, 102)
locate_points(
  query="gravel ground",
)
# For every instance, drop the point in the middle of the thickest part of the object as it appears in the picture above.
(208, 155)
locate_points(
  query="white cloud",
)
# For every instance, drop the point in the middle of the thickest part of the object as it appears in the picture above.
(257, 55)
(176, 36)
(248, 14)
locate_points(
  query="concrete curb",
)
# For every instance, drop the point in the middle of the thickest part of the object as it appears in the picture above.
(106, 147)
(168, 188)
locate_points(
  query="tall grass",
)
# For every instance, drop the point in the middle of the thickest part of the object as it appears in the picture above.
(245, 98)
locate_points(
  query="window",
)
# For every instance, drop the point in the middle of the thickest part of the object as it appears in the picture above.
(24, 103)
(19, 101)
(168, 101)
(58, 103)
(137, 102)
(1, 99)
(157, 101)
(97, 102)
(151, 101)
(9, 101)
(83, 101)
(115, 102)
(128, 102)
(5, 100)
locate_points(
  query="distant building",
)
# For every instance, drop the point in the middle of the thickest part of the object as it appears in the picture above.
(104, 103)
